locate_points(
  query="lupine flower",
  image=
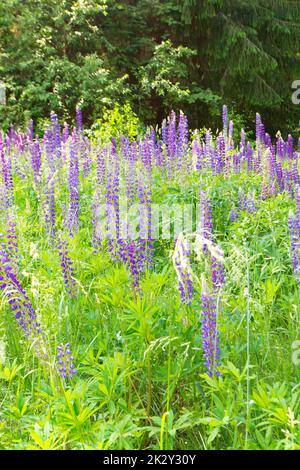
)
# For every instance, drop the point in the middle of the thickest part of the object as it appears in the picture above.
(205, 224)
(30, 132)
(217, 273)
(181, 261)
(290, 147)
(294, 227)
(56, 137)
(7, 178)
(171, 143)
(210, 337)
(79, 120)
(36, 161)
(197, 154)
(16, 294)
(73, 222)
(258, 129)
(49, 147)
(50, 212)
(84, 155)
(113, 204)
(225, 120)
(182, 139)
(233, 215)
(100, 168)
(12, 242)
(130, 255)
(66, 134)
(65, 361)
(97, 235)
(146, 241)
(230, 133)
(67, 267)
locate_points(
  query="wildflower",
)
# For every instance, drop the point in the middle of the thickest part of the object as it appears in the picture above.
(181, 261)
(79, 120)
(65, 361)
(73, 222)
(294, 227)
(225, 120)
(17, 296)
(66, 266)
(50, 213)
(210, 337)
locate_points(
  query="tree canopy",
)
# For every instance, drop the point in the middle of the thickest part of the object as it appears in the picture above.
(158, 55)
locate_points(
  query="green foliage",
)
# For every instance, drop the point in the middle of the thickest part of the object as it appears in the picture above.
(156, 54)
(116, 122)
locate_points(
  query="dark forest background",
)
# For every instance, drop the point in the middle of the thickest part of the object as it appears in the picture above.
(157, 55)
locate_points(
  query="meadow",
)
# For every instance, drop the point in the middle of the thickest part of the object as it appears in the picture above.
(131, 334)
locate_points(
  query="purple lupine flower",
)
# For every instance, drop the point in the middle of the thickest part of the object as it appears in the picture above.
(258, 128)
(197, 153)
(67, 267)
(65, 361)
(171, 143)
(113, 202)
(66, 133)
(272, 170)
(146, 230)
(217, 273)
(182, 139)
(205, 227)
(262, 133)
(230, 133)
(130, 255)
(131, 174)
(293, 224)
(280, 147)
(49, 147)
(222, 158)
(12, 242)
(267, 140)
(210, 336)
(97, 233)
(279, 173)
(243, 143)
(101, 167)
(233, 215)
(295, 173)
(8, 180)
(159, 159)
(85, 156)
(164, 132)
(73, 222)
(250, 157)
(36, 161)
(79, 120)
(56, 137)
(16, 294)
(181, 261)
(225, 120)
(290, 147)
(208, 147)
(145, 152)
(50, 212)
